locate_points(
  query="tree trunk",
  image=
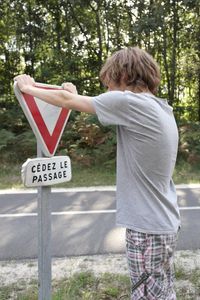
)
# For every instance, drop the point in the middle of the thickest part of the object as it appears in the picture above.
(166, 67)
(198, 53)
(174, 51)
(31, 42)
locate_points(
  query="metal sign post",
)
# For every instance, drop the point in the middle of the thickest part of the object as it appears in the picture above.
(44, 239)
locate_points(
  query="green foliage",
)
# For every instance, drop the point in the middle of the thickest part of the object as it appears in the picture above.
(25, 145)
(87, 142)
(6, 138)
(17, 147)
(57, 41)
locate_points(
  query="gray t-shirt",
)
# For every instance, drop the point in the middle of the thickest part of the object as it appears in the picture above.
(147, 142)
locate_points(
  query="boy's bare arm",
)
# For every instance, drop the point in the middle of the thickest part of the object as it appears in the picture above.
(67, 97)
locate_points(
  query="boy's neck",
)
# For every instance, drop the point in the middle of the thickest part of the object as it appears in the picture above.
(136, 89)
(124, 87)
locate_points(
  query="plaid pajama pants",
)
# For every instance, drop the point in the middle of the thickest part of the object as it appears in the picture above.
(150, 262)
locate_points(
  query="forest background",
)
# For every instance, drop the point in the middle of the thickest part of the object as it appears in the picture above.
(68, 40)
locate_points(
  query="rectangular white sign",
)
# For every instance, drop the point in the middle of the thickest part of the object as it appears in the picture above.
(46, 171)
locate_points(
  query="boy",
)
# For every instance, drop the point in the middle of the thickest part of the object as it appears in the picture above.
(147, 142)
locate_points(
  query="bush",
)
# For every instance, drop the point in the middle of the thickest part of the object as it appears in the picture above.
(84, 139)
(17, 147)
(87, 142)
(6, 138)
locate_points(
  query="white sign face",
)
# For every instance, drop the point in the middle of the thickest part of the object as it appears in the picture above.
(46, 171)
(46, 120)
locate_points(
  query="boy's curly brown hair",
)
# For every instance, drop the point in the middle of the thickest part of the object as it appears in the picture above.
(134, 67)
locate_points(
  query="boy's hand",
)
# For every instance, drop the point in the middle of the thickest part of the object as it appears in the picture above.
(24, 82)
(70, 87)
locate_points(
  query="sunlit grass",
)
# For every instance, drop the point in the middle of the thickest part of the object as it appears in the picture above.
(95, 175)
(186, 173)
(87, 286)
(10, 176)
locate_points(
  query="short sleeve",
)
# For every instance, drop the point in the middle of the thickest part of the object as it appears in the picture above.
(111, 108)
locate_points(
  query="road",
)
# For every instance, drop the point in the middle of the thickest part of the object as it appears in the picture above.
(83, 222)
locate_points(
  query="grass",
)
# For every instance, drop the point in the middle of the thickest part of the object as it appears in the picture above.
(87, 286)
(191, 289)
(83, 286)
(10, 175)
(186, 173)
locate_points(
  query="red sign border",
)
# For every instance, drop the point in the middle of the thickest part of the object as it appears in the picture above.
(50, 140)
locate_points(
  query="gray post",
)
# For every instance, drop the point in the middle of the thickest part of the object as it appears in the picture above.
(44, 240)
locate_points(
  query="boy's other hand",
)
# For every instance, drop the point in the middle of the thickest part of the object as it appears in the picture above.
(70, 87)
(24, 82)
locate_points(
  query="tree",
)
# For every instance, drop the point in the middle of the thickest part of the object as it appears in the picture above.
(67, 40)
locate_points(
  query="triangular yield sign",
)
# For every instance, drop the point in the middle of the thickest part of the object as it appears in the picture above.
(47, 121)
